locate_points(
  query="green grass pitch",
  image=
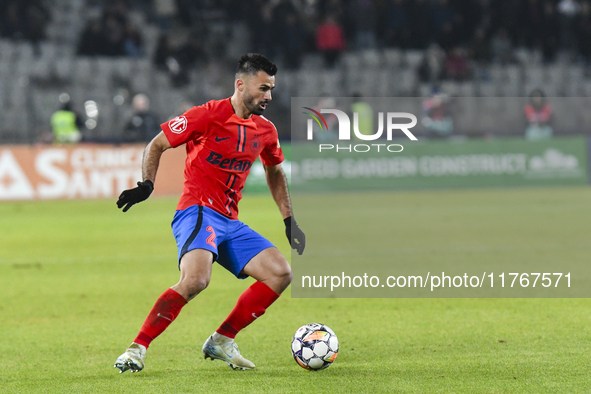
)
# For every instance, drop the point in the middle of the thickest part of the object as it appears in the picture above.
(77, 279)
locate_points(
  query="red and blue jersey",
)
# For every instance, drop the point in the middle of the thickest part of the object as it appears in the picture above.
(221, 149)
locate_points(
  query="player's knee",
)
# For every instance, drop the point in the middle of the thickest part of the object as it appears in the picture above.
(195, 285)
(200, 284)
(283, 274)
(287, 275)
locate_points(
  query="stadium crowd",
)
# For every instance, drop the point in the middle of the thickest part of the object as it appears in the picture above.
(23, 20)
(465, 47)
(113, 34)
(480, 30)
(454, 31)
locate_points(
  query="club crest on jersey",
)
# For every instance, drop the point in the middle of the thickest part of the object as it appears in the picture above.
(255, 144)
(178, 124)
(228, 164)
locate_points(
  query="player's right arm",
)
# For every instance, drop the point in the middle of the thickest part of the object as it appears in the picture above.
(150, 163)
(189, 126)
(152, 155)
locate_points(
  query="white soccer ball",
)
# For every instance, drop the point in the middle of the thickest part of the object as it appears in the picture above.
(314, 346)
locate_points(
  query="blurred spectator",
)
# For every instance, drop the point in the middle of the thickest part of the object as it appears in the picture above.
(538, 114)
(421, 16)
(337, 8)
(502, 48)
(456, 65)
(190, 12)
(178, 61)
(568, 11)
(584, 31)
(398, 28)
(480, 53)
(532, 24)
(363, 15)
(91, 40)
(467, 19)
(165, 12)
(330, 40)
(432, 66)
(282, 13)
(143, 125)
(443, 24)
(258, 19)
(446, 38)
(485, 14)
(111, 35)
(509, 16)
(264, 35)
(442, 14)
(133, 41)
(293, 42)
(66, 124)
(11, 20)
(436, 115)
(480, 50)
(192, 53)
(549, 32)
(166, 58)
(164, 50)
(23, 19)
(36, 17)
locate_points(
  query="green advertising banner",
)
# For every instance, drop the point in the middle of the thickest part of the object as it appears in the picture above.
(361, 243)
(439, 164)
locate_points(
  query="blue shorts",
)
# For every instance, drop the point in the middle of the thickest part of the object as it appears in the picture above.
(232, 242)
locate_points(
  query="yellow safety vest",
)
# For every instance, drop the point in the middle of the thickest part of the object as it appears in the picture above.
(365, 117)
(64, 127)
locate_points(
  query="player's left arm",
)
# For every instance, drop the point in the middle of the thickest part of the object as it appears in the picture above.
(277, 182)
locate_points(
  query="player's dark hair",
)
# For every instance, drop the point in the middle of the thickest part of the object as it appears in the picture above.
(252, 63)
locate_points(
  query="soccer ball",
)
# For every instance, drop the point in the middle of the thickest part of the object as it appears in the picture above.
(314, 346)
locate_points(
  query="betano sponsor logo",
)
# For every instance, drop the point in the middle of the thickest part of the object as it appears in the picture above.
(344, 128)
(228, 164)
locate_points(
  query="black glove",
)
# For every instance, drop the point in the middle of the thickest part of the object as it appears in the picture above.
(135, 195)
(295, 235)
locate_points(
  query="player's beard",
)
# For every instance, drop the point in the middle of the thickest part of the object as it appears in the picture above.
(252, 106)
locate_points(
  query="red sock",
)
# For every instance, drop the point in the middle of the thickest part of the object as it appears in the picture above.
(165, 310)
(250, 306)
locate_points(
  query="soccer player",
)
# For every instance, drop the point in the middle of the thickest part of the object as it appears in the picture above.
(223, 138)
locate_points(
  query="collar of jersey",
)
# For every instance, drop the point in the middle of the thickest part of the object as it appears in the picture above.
(235, 119)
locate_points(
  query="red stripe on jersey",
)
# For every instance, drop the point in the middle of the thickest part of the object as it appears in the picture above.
(239, 138)
(230, 193)
(243, 144)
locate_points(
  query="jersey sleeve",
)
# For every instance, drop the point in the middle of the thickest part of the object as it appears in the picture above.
(189, 126)
(272, 154)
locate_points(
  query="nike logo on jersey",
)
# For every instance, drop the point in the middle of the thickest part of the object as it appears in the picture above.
(230, 164)
(218, 139)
